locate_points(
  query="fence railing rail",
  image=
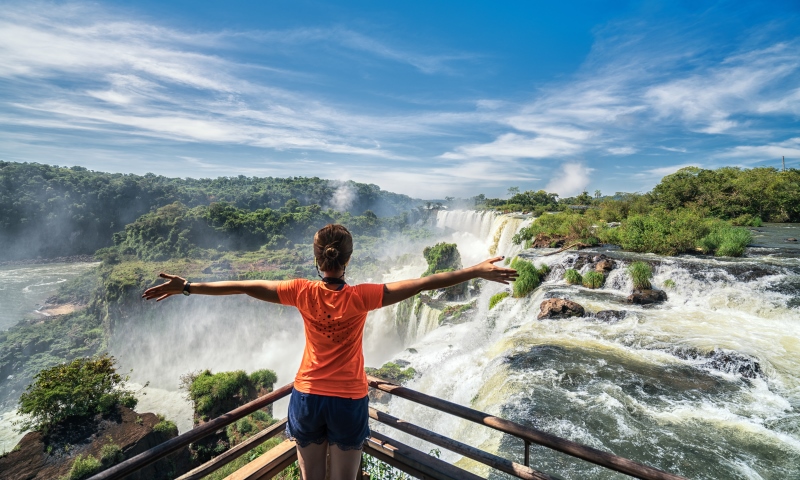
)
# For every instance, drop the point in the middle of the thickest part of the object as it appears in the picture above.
(386, 449)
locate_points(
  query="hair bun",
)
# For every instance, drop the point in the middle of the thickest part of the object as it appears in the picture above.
(331, 252)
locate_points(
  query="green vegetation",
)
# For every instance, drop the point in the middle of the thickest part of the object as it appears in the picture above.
(220, 392)
(442, 257)
(640, 273)
(657, 231)
(393, 372)
(81, 388)
(452, 313)
(572, 277)
(83, 467)
(669, 283)
(497, 298)
(593, 279)
(41, 205)
(248, 457)
(529, 277)
(167, 427)
(691, 210)
(730, 193)
(529, 201)
(110, 454)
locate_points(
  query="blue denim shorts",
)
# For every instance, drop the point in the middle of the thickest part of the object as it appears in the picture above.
(343, 422)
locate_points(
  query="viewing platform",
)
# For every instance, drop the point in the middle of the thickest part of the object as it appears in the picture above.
(413, 462)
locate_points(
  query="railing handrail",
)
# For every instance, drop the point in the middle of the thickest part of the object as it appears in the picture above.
(162, 450)
(575, 449)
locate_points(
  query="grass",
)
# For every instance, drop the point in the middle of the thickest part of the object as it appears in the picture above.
(497, 298)
(110, 454)
(392, 371)
(725, 240)
(593, 280)
(207, 390)
(640, 273)
(572, 277)
(669, 283)
(165, 426)
(529, 277)
(83, 467)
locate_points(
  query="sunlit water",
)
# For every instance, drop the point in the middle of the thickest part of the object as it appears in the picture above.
(646, 387)
(24, 288)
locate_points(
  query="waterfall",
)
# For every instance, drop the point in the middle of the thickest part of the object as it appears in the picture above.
(706, 384)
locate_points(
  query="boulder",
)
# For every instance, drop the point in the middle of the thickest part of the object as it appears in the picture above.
(791, 239)
(610, 316)
(560, 308)
(604, 266)
(647, 297)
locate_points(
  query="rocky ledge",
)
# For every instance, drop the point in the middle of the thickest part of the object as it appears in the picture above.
(48, 457)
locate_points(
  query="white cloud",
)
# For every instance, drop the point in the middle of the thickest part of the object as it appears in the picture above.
(773, 151)
(622, 150)
(512, 145)
(571, 180)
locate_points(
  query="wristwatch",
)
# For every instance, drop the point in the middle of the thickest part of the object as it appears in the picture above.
(186, 288)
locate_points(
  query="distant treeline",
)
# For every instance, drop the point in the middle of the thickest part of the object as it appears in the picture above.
(177, 231)
(52, 211)
(742, 196)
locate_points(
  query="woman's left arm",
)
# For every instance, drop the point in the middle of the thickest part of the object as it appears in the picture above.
(398, 291)
(261, 289)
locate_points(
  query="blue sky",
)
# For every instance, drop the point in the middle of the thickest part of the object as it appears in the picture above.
(426, 98)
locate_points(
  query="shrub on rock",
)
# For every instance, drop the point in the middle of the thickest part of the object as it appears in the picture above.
(572, 277)
(81, 388)
(593, 280)
(529, 277)
(640, 273)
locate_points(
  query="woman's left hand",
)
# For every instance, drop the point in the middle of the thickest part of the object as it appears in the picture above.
(489, 271)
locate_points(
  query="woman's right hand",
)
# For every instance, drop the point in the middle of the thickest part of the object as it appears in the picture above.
(173, 286)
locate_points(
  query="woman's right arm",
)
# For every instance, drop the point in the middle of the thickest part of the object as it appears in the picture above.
(261, 289)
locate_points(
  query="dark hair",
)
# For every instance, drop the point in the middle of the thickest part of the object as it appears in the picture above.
(333, 246)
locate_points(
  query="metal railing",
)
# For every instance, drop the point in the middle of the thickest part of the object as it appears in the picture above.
(392, 452)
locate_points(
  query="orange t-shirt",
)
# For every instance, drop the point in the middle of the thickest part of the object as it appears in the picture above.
(333, 360)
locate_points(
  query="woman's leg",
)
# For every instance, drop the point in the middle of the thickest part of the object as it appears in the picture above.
(313, 461)
(344, 463)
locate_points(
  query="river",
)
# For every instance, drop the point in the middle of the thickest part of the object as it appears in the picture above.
(706, 385)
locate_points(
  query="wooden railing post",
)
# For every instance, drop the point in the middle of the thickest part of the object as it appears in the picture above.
(527, 453)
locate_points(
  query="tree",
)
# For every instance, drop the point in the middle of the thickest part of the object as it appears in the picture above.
(597, 194)
(81, 388)
(584, 198)
(513, 191)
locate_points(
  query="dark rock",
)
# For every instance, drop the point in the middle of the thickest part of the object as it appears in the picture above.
(791, 239)
(610, 316)
(582, 260)
(379, 396)
(37, 456)
(599, 258)
(722, 360)
(647, 297)
(560, 308)
(604, 266)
